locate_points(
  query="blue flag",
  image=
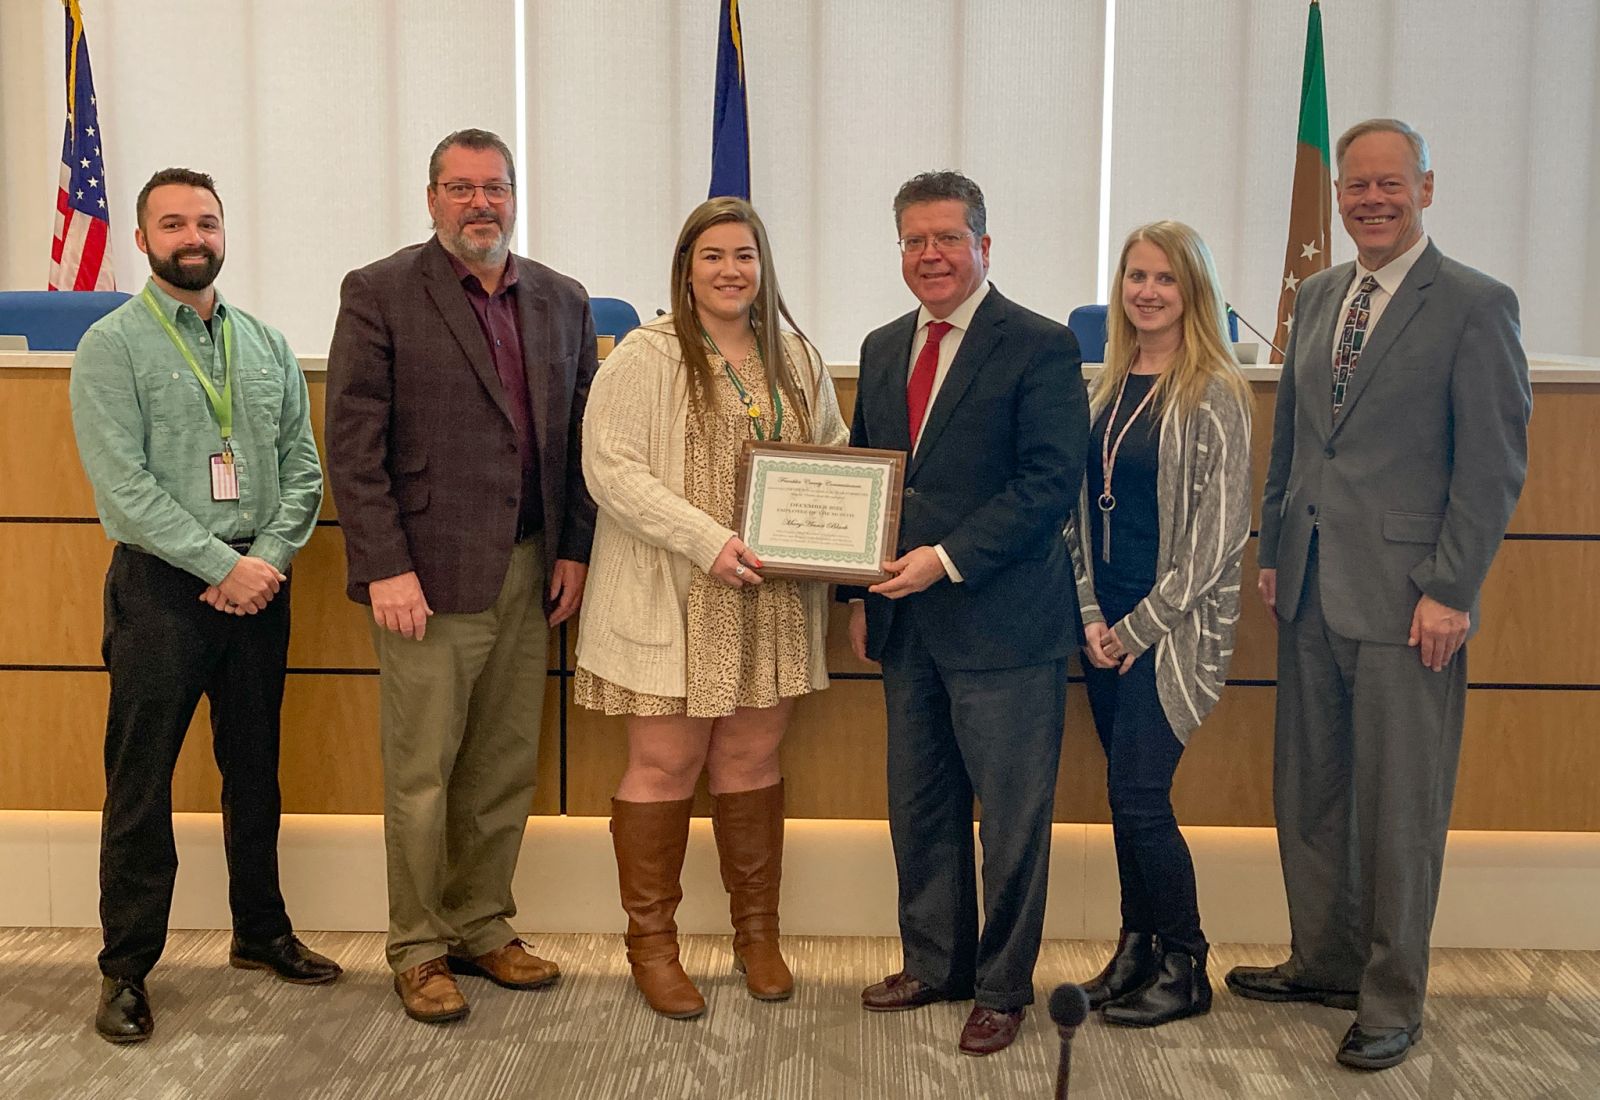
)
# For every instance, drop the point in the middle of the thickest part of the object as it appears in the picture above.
(730, 120)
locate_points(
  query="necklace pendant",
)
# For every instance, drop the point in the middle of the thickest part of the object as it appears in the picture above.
(755, 412)
(1106, 502)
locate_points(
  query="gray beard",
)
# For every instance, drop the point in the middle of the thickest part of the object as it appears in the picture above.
(460, 245)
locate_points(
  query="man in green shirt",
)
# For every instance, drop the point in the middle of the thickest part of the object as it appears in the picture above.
(193, 426)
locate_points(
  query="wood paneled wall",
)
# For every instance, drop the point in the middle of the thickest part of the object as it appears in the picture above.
(1532, 744)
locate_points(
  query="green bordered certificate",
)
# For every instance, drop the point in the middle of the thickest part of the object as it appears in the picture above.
(819, 513)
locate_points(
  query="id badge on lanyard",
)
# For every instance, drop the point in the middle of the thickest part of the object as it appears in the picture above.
(224, 477)
(224, 473)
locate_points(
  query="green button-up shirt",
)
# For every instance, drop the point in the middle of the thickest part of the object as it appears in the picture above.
(146, 434)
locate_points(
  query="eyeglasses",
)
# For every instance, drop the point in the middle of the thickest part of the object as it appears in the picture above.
(944, 242)
(459, 191)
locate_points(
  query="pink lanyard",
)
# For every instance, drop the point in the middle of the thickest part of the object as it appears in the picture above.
(1108, 460)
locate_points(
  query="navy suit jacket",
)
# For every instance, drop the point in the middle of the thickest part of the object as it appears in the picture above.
(994, 481)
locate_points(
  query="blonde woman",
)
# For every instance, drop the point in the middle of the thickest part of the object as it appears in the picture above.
(1155, 547)
(679, 630)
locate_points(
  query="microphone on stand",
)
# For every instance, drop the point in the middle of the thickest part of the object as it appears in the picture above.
(1069, 1007)
(1235, 313)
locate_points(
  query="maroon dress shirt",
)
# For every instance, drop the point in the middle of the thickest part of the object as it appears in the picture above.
(502, 329)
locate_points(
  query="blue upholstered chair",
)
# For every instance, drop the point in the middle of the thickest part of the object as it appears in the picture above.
(1088, 324)
(613, 317)
(54, 320)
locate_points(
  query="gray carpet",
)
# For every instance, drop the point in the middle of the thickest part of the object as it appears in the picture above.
(1501, 1025)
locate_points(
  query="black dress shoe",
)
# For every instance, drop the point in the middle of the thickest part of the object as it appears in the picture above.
(1131, 968)
(1377, 1047)
(1180, 990)
(286, 957)
(1268, 983)
(124, 1012)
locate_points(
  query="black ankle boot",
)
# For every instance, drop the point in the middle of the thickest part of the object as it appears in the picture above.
(1179, 991)
(1131, 968)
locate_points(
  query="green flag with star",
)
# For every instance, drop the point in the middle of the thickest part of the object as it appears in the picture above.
(1311, 203)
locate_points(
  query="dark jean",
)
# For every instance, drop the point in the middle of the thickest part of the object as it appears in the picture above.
(1142, 753)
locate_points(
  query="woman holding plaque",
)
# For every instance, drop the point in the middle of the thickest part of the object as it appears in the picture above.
(680, 632)
(1155, 546)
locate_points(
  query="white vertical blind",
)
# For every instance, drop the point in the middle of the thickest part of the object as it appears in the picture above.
(1205, 105)
(315, 118)
(847, 100)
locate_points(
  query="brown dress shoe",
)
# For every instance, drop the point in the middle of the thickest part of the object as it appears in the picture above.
(749, 829)
(430, 995)
(650, 840)
(901, 991)
(989, 1030)
(512, 966)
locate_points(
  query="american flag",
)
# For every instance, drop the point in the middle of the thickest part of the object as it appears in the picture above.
(78, 256)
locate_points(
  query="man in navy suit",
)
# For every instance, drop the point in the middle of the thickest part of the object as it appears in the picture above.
(975, 623)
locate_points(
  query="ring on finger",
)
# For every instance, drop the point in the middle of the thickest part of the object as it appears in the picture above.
(739, 570)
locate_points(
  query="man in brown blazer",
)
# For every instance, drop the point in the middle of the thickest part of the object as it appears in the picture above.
(456, 387)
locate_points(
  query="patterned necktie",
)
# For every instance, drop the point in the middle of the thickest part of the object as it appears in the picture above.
(920, 388)
(1351, 339)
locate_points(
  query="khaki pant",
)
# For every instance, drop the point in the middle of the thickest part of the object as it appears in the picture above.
(460, 713)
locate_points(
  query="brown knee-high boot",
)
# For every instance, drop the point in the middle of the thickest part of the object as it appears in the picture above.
(749, 829)
(650, 839)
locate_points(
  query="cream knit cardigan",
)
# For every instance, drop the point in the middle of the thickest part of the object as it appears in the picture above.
(633, 627)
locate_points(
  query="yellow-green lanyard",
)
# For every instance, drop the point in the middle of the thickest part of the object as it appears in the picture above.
(751, 407)
(221, 403)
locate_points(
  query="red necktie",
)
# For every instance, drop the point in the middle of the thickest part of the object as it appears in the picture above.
(920, 388)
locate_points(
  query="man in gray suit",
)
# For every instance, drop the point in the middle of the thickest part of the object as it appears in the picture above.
(1399, 449)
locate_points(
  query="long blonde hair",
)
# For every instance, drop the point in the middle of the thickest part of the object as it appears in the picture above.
(1204, 353)
(782, 375)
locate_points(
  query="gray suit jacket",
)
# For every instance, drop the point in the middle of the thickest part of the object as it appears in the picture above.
(1412, 489)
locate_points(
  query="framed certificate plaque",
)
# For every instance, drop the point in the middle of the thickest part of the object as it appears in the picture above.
(819, 513)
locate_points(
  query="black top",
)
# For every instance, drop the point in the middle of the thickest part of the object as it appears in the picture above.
(1135, 523)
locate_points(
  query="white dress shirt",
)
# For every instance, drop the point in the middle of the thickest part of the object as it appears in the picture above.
(1389, 277)
(960, 320)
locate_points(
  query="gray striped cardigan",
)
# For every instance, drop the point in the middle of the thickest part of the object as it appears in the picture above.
(1203, 500)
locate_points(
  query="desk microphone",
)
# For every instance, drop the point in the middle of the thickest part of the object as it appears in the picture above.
(1235, 313)
(1069, 1006)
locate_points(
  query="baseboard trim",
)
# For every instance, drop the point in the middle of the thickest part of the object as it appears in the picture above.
(1501, 889)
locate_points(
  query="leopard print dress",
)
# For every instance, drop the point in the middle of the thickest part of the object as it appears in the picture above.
(750, 646)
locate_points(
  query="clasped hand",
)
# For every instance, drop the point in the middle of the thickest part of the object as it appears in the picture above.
(1104, 649)
(247, 589)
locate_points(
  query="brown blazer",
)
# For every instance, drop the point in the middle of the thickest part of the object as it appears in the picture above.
(421, 448)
